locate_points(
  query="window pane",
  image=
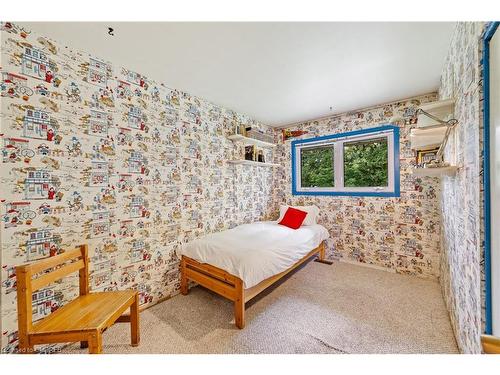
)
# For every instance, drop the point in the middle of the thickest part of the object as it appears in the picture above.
(317, 167)
(366, 163)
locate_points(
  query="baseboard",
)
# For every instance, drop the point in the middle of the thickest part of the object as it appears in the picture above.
(373, 266)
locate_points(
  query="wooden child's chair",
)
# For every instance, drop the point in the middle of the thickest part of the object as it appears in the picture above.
(84, 319)
(491, 344)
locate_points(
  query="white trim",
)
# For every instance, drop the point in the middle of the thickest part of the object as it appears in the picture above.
(338, 170)
(495, 180)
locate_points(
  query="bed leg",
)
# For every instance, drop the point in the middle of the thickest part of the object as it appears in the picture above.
(239, 305)
(184, 281)
(321, 254)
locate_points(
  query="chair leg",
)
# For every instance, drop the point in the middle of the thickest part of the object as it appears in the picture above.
(184, 280)
(134, 322)
(84, 344)
(95, 343)
(24, 347)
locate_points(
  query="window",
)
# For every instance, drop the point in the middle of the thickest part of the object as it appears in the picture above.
(366, 163)
(316, 165)
(358, 163)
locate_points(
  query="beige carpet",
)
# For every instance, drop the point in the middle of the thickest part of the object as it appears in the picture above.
(341, 308)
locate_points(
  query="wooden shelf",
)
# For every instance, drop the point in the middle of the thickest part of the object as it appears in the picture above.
(434, 172)
(254, 163)
(250, 141)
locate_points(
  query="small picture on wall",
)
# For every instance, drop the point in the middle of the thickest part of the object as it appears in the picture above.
(426, 156)
(288, 134)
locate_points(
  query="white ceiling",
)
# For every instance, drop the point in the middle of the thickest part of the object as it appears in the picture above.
(278, 73)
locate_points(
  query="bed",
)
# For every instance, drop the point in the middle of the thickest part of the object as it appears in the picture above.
(240, 263)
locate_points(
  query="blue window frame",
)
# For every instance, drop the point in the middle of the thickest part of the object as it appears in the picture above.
(333, 147)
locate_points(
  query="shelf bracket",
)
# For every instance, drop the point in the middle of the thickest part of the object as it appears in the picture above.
(450, 124)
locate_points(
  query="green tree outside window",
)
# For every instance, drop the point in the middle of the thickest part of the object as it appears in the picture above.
(366, 163)
(317, 167)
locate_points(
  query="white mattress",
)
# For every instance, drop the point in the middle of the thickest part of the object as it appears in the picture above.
(256, 251)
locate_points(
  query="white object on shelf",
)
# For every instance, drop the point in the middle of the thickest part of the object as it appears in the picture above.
(255, 163)
(424, 139)
(442, 109)
(250, 141)
(435, 172)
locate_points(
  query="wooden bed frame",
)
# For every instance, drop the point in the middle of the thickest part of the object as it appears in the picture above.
(230, 286)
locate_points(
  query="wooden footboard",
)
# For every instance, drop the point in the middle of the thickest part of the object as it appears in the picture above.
(230, 286)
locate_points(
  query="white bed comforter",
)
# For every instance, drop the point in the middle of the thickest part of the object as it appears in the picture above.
(256, 251)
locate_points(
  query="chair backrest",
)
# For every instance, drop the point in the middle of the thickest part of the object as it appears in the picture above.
(34, 276)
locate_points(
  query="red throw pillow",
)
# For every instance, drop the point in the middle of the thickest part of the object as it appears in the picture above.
(293, 218)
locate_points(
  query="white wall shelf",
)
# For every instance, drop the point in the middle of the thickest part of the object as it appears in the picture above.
(434, 172)
(254, 163)
(435, 124)
(424, 139)
(442, 109)
(250, 141)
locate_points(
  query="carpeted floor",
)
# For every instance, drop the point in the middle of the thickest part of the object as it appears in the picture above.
(341, 308)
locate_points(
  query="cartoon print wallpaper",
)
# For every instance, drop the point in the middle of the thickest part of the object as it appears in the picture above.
(96, 153)
(461, 275)
(400, 234)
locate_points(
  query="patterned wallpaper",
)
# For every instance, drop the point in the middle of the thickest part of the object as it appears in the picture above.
(93, 152)
(461, 199)
(398, 234)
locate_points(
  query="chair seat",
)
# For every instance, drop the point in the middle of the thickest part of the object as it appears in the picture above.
(94, 311)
